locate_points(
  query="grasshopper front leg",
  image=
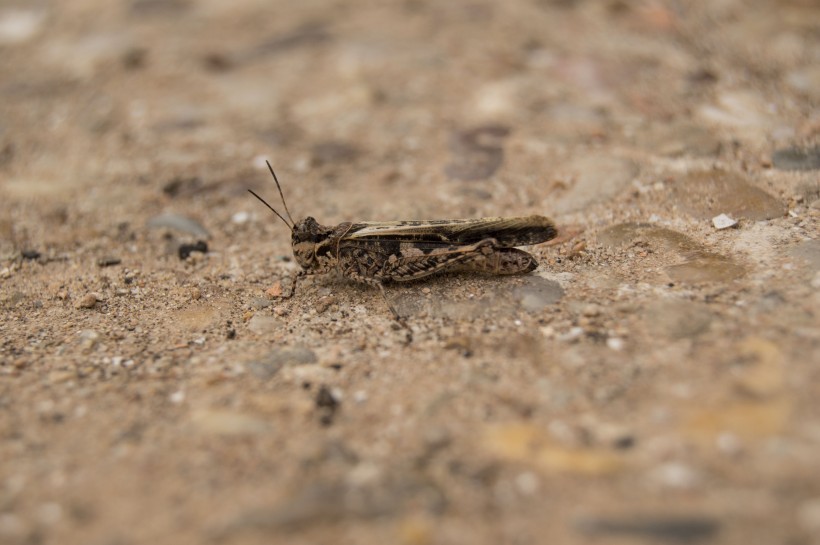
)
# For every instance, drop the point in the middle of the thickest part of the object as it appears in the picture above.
(307, 272)
(353, 274)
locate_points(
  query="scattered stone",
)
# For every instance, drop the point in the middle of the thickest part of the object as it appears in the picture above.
(88, 339)
(705, 194)
(275, 290)
(538, 293)
(187, 249)
(677, 319)
(18, 26)
(30, 254)
(615, 343)
(89, 300)
(675, 475)
(228, 423)
(241, 217)
(796, 159)
(333, 152)
(327, 403)
(63, 375)
(261, 324)
(310, 33)
(705, 267)
(108, 261)
(177, 397)
(270, 364)
(677, 528)
(591, 310)
(698, 266)
(594, 179)
(260, 302)
(134, 58)
(723, 222)
(740, 110)
(179, 223)
(183, 185)
(572, 335)
(477, 153)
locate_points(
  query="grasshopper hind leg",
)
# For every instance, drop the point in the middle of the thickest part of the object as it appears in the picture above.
(500, 261)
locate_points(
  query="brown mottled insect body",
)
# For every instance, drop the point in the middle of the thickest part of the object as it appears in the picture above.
(400, 251)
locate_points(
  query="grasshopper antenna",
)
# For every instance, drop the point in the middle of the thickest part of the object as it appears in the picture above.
(280, 194)
(272, 209)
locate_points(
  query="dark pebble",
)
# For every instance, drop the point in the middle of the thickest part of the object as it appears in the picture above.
(796, 159)
(327, 405)
(270, 364)
(30, 254)
(108, 261)
(182, 185)
(333, 151)
(187, 249)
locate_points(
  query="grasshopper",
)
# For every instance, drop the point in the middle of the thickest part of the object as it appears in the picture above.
(376, 252)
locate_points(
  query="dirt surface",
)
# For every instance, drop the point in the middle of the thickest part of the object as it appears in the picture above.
(655, 379)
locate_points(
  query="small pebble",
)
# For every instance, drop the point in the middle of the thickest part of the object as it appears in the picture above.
(275, 290)
(20, 25)
(179, 223)
(260, 302)
(615, 343)
(57, 377)
(186, 250)
(797, 159)
(572, 335)
(723, 222)
(177, 397)
(89, 300)
(240, 217)
(675, 475)
(108, 261)
(592, 310)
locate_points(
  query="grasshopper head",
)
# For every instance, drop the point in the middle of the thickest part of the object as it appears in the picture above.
(307, 234)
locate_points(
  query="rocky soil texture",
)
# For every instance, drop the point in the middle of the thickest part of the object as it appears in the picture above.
(655, 379)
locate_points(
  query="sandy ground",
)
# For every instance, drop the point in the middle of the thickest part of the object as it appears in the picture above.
(654, 380)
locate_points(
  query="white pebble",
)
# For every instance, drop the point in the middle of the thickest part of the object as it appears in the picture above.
(359, 396)
(240, 217)
(177, 397)
(723, 222)
(675, 475)
(527, 483)
(615, 343)
(18, 26)
(572, 335)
